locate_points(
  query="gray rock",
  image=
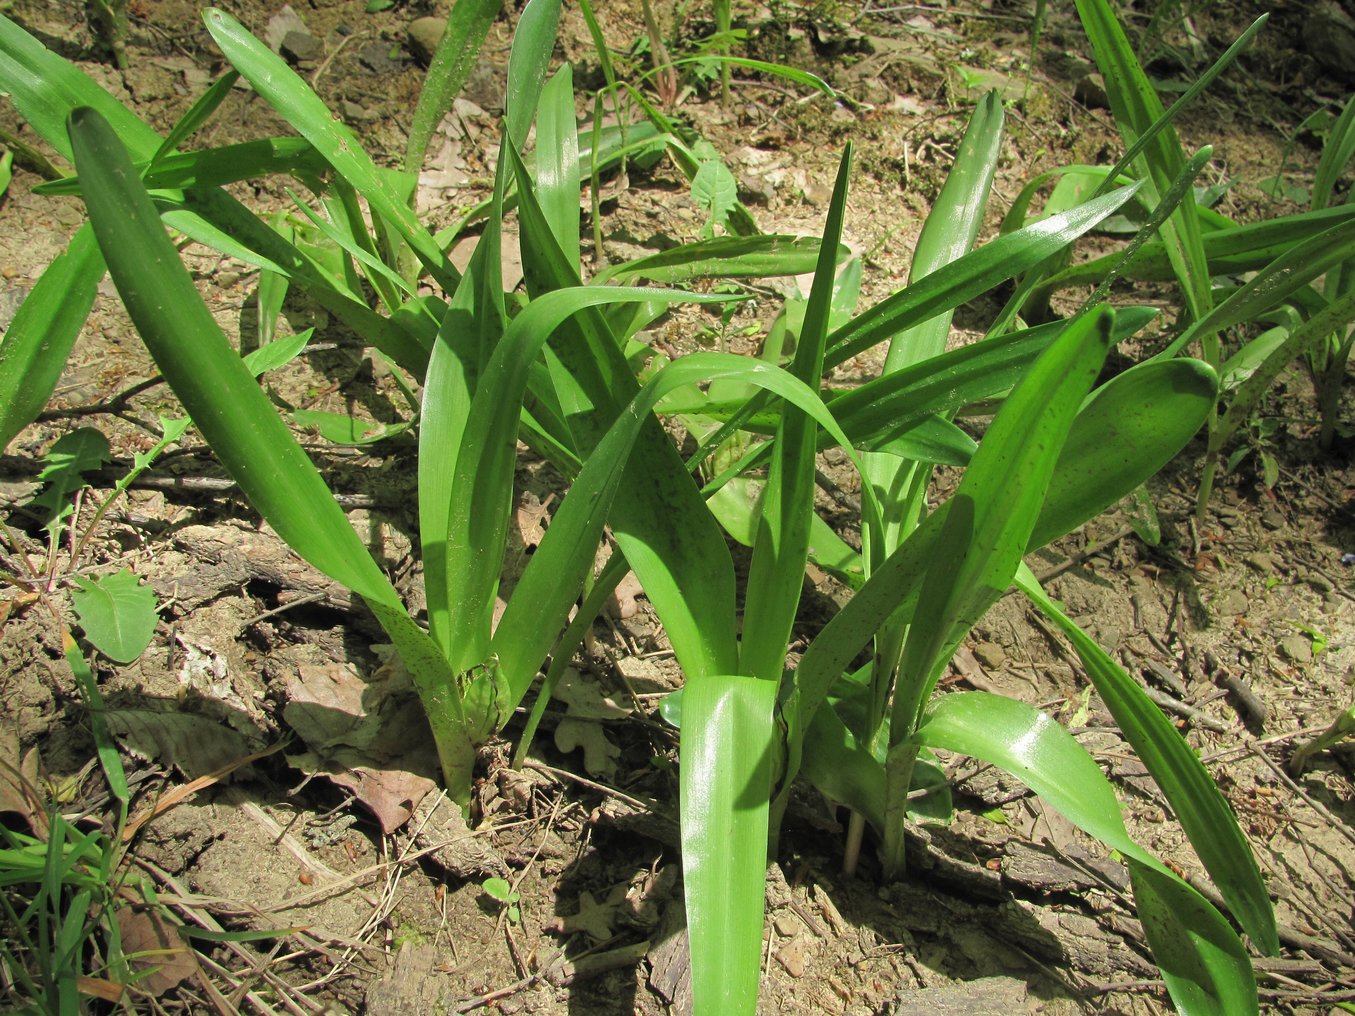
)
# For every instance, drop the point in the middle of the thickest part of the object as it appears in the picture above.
(301, 47)
(1329, 35)
(1090, 90)
(424, 36)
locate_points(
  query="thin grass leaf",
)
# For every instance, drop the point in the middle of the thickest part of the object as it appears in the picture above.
(1336, 155)
(292, 98)
(973, 274)
(724, 257)
(198, 114)
(1137, 110)
(781, 546)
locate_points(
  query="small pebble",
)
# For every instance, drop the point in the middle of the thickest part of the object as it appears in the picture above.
(1297, 648)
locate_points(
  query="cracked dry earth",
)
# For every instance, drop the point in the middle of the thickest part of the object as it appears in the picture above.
(1242, 625)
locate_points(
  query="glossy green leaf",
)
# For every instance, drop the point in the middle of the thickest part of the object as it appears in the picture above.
(724, 257)
(1192, 793)
(993, 513)
(557, 162)
(973, 274)
(781, 544)
(1233, 250)
(660, 520)
(1137, 109)
(242, 427)
(296, 103)
(1201, 958)
(482, 484)
(198, 114)
(117, 613)
(468, 23)
(533, 44)
(726, 750)
(38, 341)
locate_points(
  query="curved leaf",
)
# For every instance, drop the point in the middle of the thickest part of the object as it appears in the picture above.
(1201, 958)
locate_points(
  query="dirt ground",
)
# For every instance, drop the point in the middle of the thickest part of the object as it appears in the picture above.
(1243, 623)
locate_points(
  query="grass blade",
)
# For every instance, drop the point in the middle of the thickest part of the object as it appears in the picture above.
(1192, 793)
(1201, 958)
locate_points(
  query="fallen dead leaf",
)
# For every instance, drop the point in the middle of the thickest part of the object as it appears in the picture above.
(153, 944)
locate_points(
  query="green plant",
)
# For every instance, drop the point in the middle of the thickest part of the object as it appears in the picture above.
(501, 890)
(559, 371)
(1197, 247)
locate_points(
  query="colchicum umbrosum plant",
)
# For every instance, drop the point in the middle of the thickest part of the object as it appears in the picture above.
(556, 368)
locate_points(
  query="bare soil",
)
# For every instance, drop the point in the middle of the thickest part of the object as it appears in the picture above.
(340, 840)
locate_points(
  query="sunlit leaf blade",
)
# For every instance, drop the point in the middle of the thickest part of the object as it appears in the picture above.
(781, 546)
(240, 423)
(471, 327)
(1277, 281)
(482, 486)
(1336, 155)
(1194, 796)
(296, 103)
(1137, 107)
(117, 613)
(1234, 250)
(1202, 959)
(45, 88)
(557, 162)
(1130, 427)
(660, 520)
(38, 341)
(973, 274)
(547, 587)
(198, 114)
(726, 751)
(997, 505)
(468, 22)
(724, 257)
(214, 167)
(528, 61)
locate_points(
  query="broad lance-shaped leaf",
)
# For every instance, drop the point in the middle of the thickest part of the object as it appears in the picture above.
(38, 341)
(726, 763)
(242, 427)
(997, 505)
(973, 274)
(781, 545)
(482, 484)
(1201, 958)
(1085, 481)
(660, 520)
(546, 588)
(1192, 793)
(296, 103)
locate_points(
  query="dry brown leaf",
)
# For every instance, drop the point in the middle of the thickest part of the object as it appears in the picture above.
(153, 943)
(368, 736)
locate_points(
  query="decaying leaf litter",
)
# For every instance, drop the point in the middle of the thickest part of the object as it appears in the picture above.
(1238, 560)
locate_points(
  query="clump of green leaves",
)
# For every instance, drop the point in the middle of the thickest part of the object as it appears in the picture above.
(556, 368)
